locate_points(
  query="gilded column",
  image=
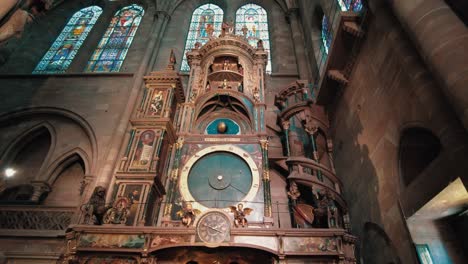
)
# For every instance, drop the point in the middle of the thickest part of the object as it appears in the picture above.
(266, 178)
(173, 179)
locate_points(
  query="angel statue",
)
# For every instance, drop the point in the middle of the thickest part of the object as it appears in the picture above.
(239, 214)
(188, 214)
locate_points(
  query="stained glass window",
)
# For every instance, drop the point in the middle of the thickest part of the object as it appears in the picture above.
(114, 45)
(63, 50)
(350, 5)
(252, 21)
(206, 22)
(326, 34)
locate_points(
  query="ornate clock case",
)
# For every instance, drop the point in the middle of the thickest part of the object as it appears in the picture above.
(220, 159)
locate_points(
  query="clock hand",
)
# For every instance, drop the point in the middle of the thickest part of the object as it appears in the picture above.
(237, 189)
(210, 227)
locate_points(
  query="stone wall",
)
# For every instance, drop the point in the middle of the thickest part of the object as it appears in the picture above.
(390, 90)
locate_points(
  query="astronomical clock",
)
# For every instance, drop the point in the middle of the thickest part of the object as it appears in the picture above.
(220, 158)
(195, 172)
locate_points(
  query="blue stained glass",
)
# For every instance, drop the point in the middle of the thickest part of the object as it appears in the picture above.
(113, 47)
(206, 22)
(326, 34)
(63, 50)
(255, 19)
(350, 5)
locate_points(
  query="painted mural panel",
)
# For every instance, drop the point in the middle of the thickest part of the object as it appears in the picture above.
(167, 240)
(144, 149)
(310, 244)
(107, 260)
(111, 241)
(156, 103)
(133, 193)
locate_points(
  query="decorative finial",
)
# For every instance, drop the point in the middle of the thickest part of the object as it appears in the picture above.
(172, 61)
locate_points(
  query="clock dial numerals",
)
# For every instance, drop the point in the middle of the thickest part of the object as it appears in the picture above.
(213, 227)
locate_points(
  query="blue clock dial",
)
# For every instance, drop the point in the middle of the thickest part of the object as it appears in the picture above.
(219, 179)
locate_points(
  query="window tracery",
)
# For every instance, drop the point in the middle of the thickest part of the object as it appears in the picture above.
(252, 22)
(350, 5)
(114, 45)
(326, 34)
(206, 22)
(60, 55)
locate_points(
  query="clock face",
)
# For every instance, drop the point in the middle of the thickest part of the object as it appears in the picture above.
(218, 177)
(213, 228)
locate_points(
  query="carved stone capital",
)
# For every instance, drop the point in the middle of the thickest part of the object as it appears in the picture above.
(40, 187)
(285, 124)
(264, 144)
(179, 143)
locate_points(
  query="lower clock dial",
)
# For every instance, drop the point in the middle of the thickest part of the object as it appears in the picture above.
(213, 228)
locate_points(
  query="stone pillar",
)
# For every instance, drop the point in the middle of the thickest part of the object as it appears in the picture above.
(298, 40)
(442, 41)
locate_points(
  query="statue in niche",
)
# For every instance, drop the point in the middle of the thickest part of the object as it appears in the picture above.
(303, 213)
(188, 214)
(226, 65)
(256, 95)
(260, 44)
(241, 70)
(208, 87)
(239, 214)
(95, 209)
(294, 192)
(326, 212)
(224, 85)
(118, 213)
(240, 87)
(156, 103)
(227, 28)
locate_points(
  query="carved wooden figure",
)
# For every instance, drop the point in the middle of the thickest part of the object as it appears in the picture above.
(239, 214)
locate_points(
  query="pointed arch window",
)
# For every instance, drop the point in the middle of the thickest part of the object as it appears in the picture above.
(60, 55)
(253, 20)
(350, 5)
(114, 45)
(326, 34)
(206, 22)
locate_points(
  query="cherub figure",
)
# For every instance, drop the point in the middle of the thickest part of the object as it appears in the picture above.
(188, 214)
(239, 214)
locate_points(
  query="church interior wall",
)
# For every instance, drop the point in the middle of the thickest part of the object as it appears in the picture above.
(382, 99)
(390, 90)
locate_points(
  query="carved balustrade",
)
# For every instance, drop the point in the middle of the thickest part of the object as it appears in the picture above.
(38, 218)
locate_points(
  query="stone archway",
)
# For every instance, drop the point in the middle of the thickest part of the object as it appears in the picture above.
(220, 255)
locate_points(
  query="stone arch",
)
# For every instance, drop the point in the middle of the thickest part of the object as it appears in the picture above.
(238, 108)
(240, 253)
(65, 187)
(24, 139)
(66, 159)
(418, 147)
(54, 117)
(377, 247)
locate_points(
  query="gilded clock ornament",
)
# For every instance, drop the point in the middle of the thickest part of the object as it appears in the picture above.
(240, 214)
(213, 228)
(188, 214)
